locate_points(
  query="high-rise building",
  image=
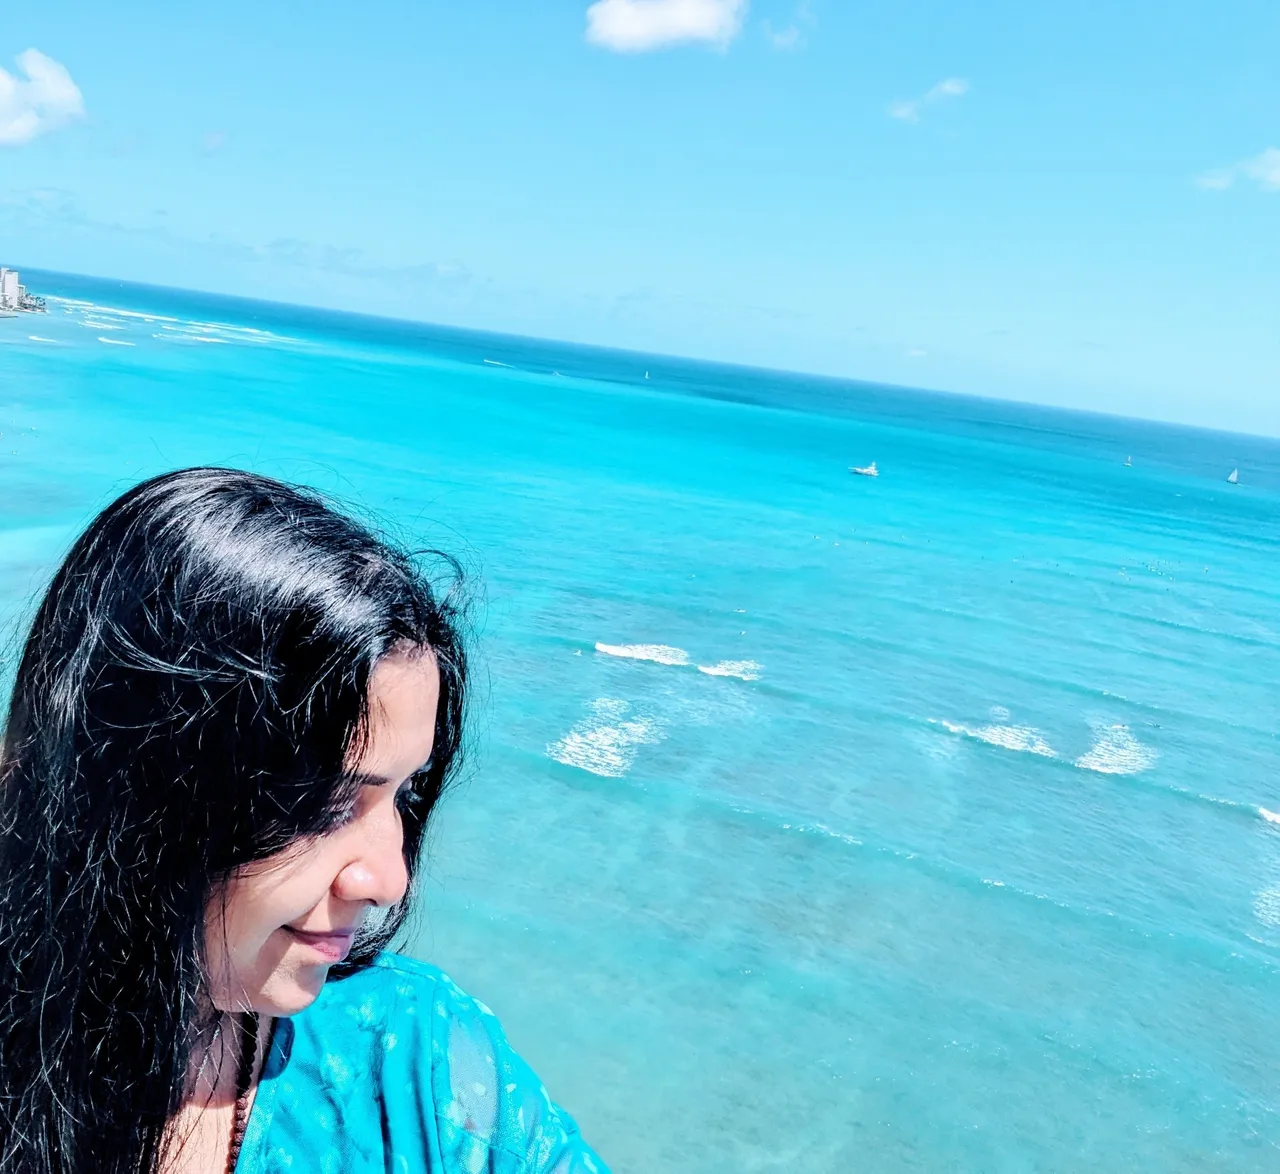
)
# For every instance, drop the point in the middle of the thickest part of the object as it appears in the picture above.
(10, 291)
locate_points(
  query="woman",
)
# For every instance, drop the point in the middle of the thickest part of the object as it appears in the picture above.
(231, 720)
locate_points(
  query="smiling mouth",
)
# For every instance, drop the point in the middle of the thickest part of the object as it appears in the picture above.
(332, 947)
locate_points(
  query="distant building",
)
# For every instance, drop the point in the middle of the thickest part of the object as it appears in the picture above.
(14, 296)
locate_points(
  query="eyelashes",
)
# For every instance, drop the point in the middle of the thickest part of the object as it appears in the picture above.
(409, 799)
(408, 802)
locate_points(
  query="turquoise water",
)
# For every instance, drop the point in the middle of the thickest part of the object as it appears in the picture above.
(965, 853)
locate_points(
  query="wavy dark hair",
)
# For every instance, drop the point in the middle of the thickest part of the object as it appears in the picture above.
(194, 681)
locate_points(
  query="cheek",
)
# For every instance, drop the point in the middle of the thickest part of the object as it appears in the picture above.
(242, 922)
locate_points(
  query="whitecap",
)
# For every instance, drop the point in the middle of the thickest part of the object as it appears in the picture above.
(1266, 907)
(1115, 751)
(1024, 739)
(39, 338)
(1269, 816)
(658, 653)
(606, 742)
(115, 341)
(746, 670)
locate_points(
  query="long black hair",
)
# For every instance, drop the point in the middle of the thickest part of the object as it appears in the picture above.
(193, 683)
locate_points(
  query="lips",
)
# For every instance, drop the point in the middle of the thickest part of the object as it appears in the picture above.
(332, 946)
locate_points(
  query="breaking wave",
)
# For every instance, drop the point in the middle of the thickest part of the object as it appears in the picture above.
(745, 670)
(657, 653)
(1266, 907)
(606, 742)
(1025, 739)
(1115, 751)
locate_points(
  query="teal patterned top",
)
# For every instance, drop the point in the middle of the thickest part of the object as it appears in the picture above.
(395, 1070)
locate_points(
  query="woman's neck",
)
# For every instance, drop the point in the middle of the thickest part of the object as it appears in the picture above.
(214, 1060)
(202, 1130)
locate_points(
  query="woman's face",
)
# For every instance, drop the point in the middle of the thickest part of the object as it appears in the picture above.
(275, 929)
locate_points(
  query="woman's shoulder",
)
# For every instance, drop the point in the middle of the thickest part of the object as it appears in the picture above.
(434, 1052)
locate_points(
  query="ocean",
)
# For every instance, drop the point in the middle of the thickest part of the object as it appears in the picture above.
(813, 822)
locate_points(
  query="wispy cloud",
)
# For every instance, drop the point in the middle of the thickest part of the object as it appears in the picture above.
(1263, 169)
(639, 26)
(788, 38)
(41, 98)
(791, 37)
(948, 88)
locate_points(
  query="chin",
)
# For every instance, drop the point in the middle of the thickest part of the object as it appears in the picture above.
(293, 994)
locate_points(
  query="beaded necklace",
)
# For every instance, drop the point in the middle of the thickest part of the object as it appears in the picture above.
(244, 1082)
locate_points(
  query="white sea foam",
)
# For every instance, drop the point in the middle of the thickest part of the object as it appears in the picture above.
(606, 742)
(39, 338)
(1266, 907)
(113, 311)
(98, 317)
(1024, 739)
(1269, 816)
(746, 670)
(115, 341)
(658, 653)
(1115, 751)
(804, 829)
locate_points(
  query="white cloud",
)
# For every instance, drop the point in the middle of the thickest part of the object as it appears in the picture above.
(1216, 181)
(791, 37)
(1263, 169)
(788, 38)
(638, 26)
(46, 99)
(951, 87)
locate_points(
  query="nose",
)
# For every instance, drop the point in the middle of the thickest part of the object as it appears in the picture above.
(376, 874)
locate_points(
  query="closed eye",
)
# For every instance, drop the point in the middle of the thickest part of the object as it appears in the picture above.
(409, 798)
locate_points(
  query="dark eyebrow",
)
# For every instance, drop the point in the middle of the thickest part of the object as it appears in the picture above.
(368, 780)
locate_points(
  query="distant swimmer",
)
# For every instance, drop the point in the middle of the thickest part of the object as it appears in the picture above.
(865, 470)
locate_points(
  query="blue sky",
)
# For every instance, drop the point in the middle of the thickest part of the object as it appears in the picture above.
(1073, 204)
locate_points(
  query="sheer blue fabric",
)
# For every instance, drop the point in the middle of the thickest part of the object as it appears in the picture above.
(396, 1070)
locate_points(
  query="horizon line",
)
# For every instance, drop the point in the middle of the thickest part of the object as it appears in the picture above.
(691, 360)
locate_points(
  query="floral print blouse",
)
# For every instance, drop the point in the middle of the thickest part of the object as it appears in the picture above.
(396, 1070)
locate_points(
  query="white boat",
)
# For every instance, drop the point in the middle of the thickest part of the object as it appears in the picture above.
(1233, 478)
(865, 470)
(1128, 462)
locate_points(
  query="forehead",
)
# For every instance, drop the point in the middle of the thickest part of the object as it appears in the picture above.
(404, 693)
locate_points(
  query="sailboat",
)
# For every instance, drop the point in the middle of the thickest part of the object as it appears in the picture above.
(865, 470)
(1233, 478)
(1128, 462)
